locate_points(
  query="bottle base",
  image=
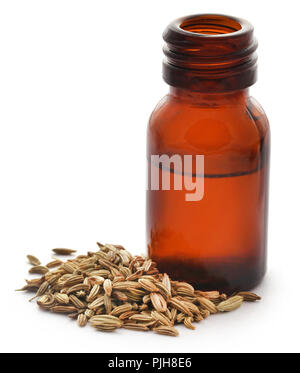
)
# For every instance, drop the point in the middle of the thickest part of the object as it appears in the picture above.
(228, 275)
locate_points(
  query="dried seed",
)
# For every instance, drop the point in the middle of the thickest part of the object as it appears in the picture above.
(143, 307)
(135, 306)
(96, 303)
(63, 309)
(134, 276)
(199, 317)
(105, 322)
(77, 302)
(248, 296)
(125, 256)
(147, 285)
(100, 310)
(106, 328)
(36, 281)
(120, 247)
(125, 285)
(100, 272)
(80, 294)
(207, 304)
(77, 287)
(186, 286)
(93, 293)
(28, 288)
(73, 315)
(204, 313)
(192, 307)
(61, 298)
(208, 294)
(82, 319)
(141, 317)
(230, 304)
(52, 279)
(164, 291)
(42, 289)
(54, 263)
(120, 309)
(133, 326)
(64, 251)
(46, 301)
(185, 291)
(107, 264)
(33, 260)
(166, 282)
(158, 302)
(180, 306)
(39, 269)
(89, 313)
(126, 315)
(166, 330)
(107, 303)
(188, 323)
(119, 295)
(95, 280)
(107, 286)
(146, 299)
(180, 317)
(173, 314)
(139, 293)
(74, 280)
(125, 271)
(69, 267)
(161, 318)
(147, 264)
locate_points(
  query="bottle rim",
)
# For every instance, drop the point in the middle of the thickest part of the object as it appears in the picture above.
(239, 26)
(210, 53)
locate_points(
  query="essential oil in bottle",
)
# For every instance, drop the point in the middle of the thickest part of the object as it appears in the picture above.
(208, 158)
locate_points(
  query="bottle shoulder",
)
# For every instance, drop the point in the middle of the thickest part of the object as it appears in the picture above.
(244, 122)
(235, 134)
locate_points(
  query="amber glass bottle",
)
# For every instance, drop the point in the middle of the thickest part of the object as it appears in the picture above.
(218, 241)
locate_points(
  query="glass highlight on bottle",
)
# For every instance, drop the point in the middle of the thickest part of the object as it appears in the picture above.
(218, 239)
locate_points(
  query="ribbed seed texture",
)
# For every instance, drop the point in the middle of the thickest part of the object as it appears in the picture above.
(111, 289)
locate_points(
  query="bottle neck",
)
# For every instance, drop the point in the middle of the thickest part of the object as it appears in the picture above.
(210, 53)
(237, 97)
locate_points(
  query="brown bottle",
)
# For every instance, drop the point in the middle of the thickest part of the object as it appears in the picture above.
(209, 134)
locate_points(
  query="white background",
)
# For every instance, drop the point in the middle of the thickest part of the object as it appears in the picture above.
(78, 81)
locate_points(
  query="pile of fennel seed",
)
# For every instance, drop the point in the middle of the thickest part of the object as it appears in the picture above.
(112, 289)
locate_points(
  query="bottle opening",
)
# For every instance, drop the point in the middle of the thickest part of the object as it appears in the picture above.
(210, 25)
(210, 53)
